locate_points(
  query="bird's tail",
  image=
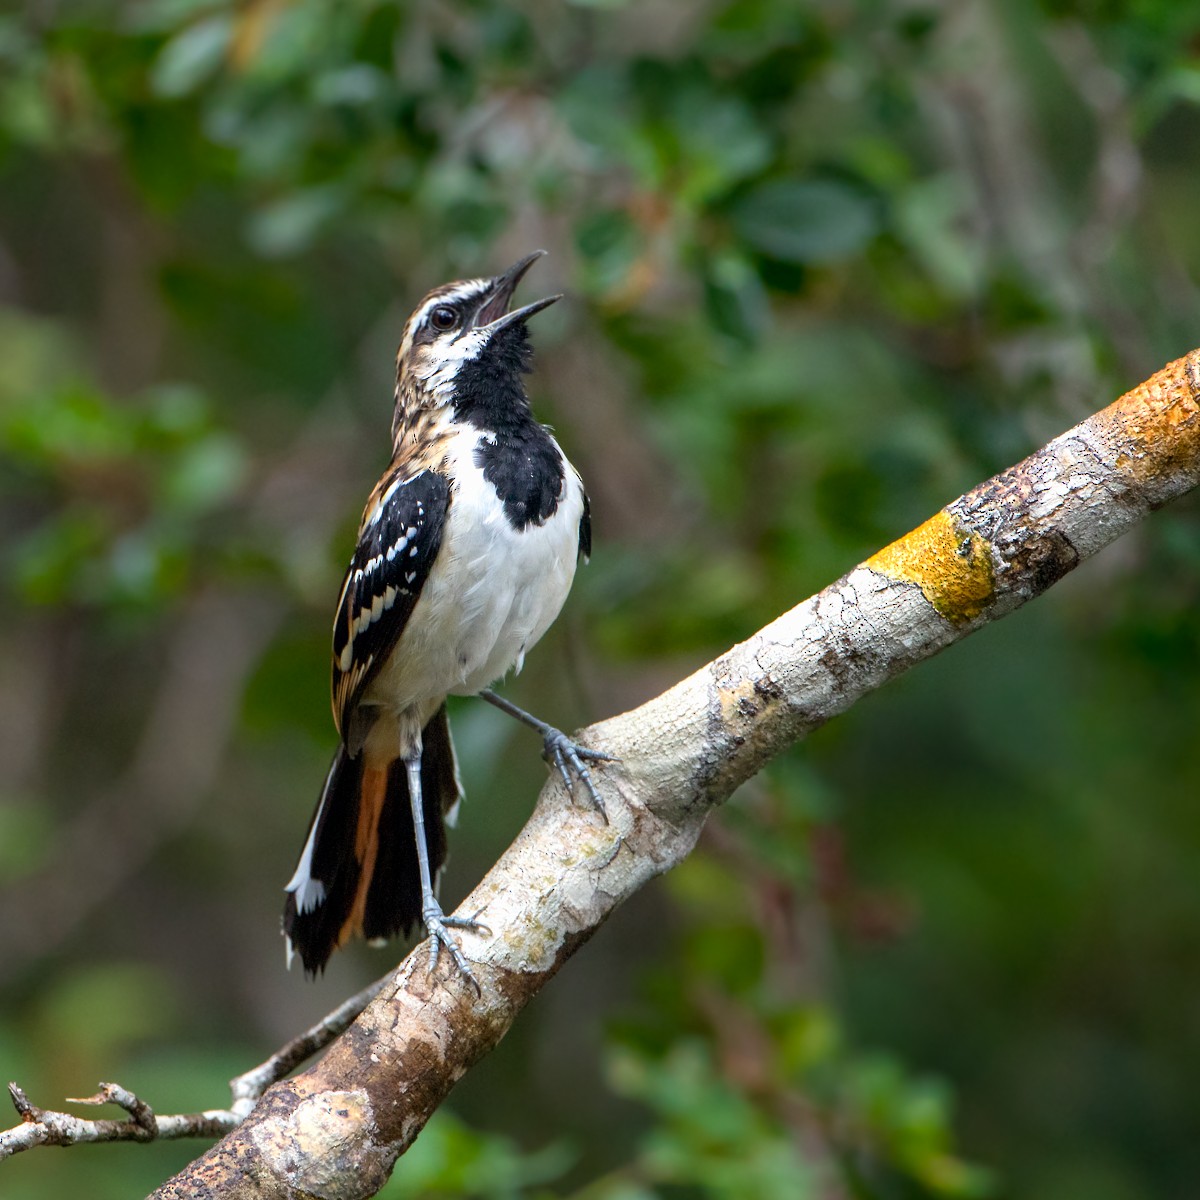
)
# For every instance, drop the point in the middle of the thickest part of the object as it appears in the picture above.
(358, 870)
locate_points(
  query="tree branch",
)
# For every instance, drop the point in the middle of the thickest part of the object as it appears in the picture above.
(43, 1127)
(337, 1129)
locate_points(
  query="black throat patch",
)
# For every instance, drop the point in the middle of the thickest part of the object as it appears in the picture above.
(517, 455)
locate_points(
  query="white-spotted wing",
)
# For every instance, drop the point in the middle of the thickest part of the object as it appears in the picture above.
(398, 541)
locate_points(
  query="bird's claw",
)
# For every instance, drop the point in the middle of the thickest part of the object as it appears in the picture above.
(438, 926)
(559, 750)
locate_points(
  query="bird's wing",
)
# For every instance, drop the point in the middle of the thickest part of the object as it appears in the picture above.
(398, 542)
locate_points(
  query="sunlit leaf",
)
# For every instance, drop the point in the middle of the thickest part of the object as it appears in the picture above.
(192, 56)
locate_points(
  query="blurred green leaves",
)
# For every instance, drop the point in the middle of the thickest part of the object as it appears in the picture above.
(192, 56)
(806, 221)
(724, 1141)
(449, 1159)
(711, 1138)
(748, 1090)
(123, 489)
(670, 124)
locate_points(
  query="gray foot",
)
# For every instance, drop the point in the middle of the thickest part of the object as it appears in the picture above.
(558, 749)
(568, 756)
(438, 926)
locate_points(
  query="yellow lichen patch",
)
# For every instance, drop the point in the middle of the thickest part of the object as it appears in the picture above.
(1155, 427)
(951, 565)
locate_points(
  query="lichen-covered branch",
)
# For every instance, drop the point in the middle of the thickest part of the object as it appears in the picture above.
(337, 1129)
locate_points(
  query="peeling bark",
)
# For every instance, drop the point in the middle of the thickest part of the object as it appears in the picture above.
(335, 1131)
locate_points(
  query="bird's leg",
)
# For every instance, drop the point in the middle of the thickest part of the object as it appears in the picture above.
(437, 924)
(558, 749)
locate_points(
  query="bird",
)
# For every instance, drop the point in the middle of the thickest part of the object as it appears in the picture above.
(466, 552)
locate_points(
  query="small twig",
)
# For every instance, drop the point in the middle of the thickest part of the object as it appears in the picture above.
(113, 1093)
(45, 1127)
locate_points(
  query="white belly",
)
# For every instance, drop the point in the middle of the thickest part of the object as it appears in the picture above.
(492, 593)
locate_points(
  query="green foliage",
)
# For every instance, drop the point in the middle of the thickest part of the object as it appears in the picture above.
(709, 1137)
(450, 1159)
(748, 1085)
(828, 265)
(129, 486)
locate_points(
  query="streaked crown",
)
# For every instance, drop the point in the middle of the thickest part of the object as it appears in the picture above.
(454, 325)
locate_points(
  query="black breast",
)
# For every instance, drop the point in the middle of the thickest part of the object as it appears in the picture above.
(516, 455)
(526, 469)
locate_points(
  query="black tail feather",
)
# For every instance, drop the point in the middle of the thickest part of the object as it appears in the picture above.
(361, 874)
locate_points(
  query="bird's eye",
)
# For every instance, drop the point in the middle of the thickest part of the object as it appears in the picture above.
(443, 318)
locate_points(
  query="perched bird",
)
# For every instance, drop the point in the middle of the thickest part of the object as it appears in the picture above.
(466, 551)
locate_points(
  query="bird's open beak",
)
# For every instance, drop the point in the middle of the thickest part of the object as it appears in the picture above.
(494, 313)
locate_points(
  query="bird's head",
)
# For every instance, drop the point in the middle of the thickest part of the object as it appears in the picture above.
(463, 334)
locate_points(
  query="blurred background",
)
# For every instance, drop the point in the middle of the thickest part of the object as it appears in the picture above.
(828, 265)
